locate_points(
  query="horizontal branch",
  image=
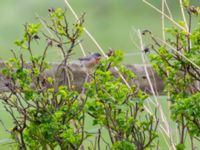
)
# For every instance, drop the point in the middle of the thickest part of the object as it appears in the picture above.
(79, 77)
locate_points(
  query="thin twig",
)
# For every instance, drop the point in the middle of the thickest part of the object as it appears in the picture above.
(153, 91)
(45, 26)
(164, 39)
(172, 20)
(174, 49)
(168, 9)
(183, 15)
(163, 19)
(95, 42)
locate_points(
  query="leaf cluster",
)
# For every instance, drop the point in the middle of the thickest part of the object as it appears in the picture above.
(179, 69)
(48, 113)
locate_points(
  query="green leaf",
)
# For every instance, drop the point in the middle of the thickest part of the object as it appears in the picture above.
(180, 147)
(33, 28)
(123, 145)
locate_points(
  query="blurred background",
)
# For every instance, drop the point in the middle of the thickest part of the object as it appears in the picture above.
(110, 22)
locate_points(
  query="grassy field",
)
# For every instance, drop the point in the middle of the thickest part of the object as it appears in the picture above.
(4, 136)
(110, 22)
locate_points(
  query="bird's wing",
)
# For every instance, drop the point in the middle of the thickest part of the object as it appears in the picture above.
(85, 59)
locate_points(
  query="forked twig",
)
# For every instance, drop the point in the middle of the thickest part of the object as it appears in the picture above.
(154, 94)
(169, 18)
(95, 42)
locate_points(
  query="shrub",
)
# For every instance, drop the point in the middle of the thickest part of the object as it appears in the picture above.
(50, 115)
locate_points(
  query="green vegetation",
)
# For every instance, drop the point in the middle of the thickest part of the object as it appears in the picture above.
(179, 69)
(48, 114)
(110, 22)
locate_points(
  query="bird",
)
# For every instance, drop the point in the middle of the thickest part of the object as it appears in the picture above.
(90, 61)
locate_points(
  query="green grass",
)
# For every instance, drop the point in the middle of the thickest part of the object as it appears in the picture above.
(110, 22)
(4, 136)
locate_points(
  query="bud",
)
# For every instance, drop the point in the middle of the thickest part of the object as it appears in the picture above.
(51, 10)
(193, 10)
(36, 37)
(50, 42)
(146, 50)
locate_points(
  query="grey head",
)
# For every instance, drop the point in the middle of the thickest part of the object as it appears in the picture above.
(96, 54)
(89, 57)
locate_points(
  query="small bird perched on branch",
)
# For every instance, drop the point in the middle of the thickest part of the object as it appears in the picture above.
(90, 61)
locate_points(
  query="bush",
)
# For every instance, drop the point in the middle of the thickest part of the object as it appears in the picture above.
(179, 69)
(50, 115)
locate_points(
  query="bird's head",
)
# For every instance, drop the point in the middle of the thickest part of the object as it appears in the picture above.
(97, 57)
